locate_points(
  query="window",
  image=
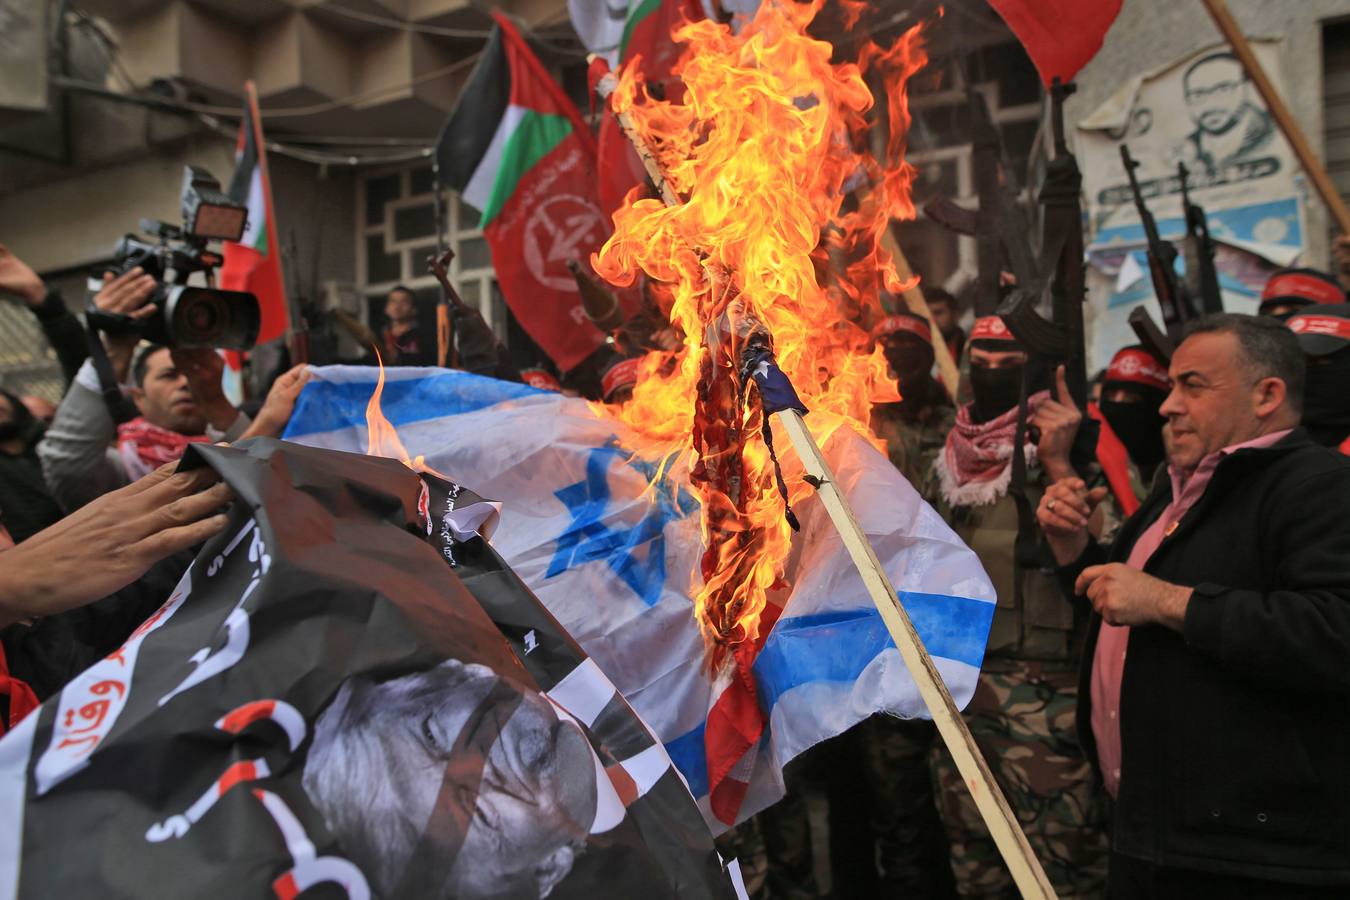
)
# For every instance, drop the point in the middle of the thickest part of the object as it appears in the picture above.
(397, 233)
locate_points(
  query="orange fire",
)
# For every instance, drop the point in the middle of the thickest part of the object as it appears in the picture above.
(382, 438)
(767, 150)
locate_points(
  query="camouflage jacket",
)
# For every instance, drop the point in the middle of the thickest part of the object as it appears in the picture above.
(1044, 626)
(914, 441)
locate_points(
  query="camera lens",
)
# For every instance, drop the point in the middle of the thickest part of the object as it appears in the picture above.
(201, 317)
(210, 317)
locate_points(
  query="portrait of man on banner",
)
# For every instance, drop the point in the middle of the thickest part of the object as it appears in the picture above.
(452, 783)
(1229, 126)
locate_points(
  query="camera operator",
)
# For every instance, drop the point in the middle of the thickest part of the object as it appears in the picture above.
(177, 393)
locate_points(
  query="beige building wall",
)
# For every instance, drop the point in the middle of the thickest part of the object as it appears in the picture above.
(76, 221)
(1151, 33)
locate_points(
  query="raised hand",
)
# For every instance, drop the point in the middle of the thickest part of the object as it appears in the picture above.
(1063, 514)
(109, 543)
(19, 281)
(280, 403)
(1058, 420)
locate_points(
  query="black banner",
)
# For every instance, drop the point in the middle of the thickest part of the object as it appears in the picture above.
(348, 693)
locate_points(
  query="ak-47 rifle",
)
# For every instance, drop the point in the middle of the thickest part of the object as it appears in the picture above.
(445, 321)
(1202, 281)
(1060, 267)
(446, 313)
(1061, 340)
(471, 346)
(999, 226)
(1162, 260)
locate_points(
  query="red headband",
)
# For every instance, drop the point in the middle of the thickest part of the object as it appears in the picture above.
(1298, 286)
(1137, 367)
(621, 374)
(539, 378)
(904, 325)
(991, 328)
(1315, 324)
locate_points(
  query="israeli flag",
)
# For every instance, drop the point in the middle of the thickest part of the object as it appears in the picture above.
(606, 532)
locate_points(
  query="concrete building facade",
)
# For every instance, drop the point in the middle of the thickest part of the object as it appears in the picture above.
(354, 93)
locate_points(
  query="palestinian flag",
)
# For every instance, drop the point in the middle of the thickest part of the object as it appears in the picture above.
(254, 264)
(517, 149)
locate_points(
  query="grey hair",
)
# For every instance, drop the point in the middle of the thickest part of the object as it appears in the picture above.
(1269, 349)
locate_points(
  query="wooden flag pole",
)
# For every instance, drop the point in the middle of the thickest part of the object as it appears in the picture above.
(1317, 173)
(979, 780)
(975, 774)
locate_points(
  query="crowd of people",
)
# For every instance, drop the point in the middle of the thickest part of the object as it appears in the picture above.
(1163, 697)
(1164, 686)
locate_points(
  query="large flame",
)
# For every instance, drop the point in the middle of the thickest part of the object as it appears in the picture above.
(782, 214)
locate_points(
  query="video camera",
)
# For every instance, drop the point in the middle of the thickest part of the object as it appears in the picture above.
(187, 316)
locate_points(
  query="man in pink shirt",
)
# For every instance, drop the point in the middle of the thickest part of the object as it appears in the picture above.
(1215, 694)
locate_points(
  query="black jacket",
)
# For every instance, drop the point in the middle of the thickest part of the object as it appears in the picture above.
(1236, 733)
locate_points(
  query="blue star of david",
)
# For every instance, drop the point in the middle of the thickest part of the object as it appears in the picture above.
(587, 538)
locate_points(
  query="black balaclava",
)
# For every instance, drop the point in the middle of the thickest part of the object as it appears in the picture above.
(1326, 397)
(911, 359)
(995, 391)
(1139, 425)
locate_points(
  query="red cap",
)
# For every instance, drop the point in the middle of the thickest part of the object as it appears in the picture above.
(540, 378)
(991, 328)
(1135, 366)
(1301, 285)
(1322, 330)
(1311, 323)
(915, 325)
(620, 375)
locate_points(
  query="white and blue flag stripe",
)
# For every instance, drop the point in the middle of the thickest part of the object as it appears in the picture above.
(616, 561)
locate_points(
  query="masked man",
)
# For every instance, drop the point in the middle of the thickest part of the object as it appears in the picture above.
(1324, 335)
(1022, 714)
(1130, 448)
(914, 428)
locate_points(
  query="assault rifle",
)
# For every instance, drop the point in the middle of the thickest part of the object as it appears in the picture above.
(1202, 281)
(1061, 271)
(999, 226)
(1162, 260)
(1060, 268)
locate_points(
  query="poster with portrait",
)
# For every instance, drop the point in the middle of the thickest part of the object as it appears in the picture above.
(348, 694)
(1200, 114)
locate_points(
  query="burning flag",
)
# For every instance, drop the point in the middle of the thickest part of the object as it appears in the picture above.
(766, 180)
(348, 688)
(602, 523)
(516, 149)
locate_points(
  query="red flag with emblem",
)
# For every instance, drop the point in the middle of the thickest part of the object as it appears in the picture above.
(517, 150)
